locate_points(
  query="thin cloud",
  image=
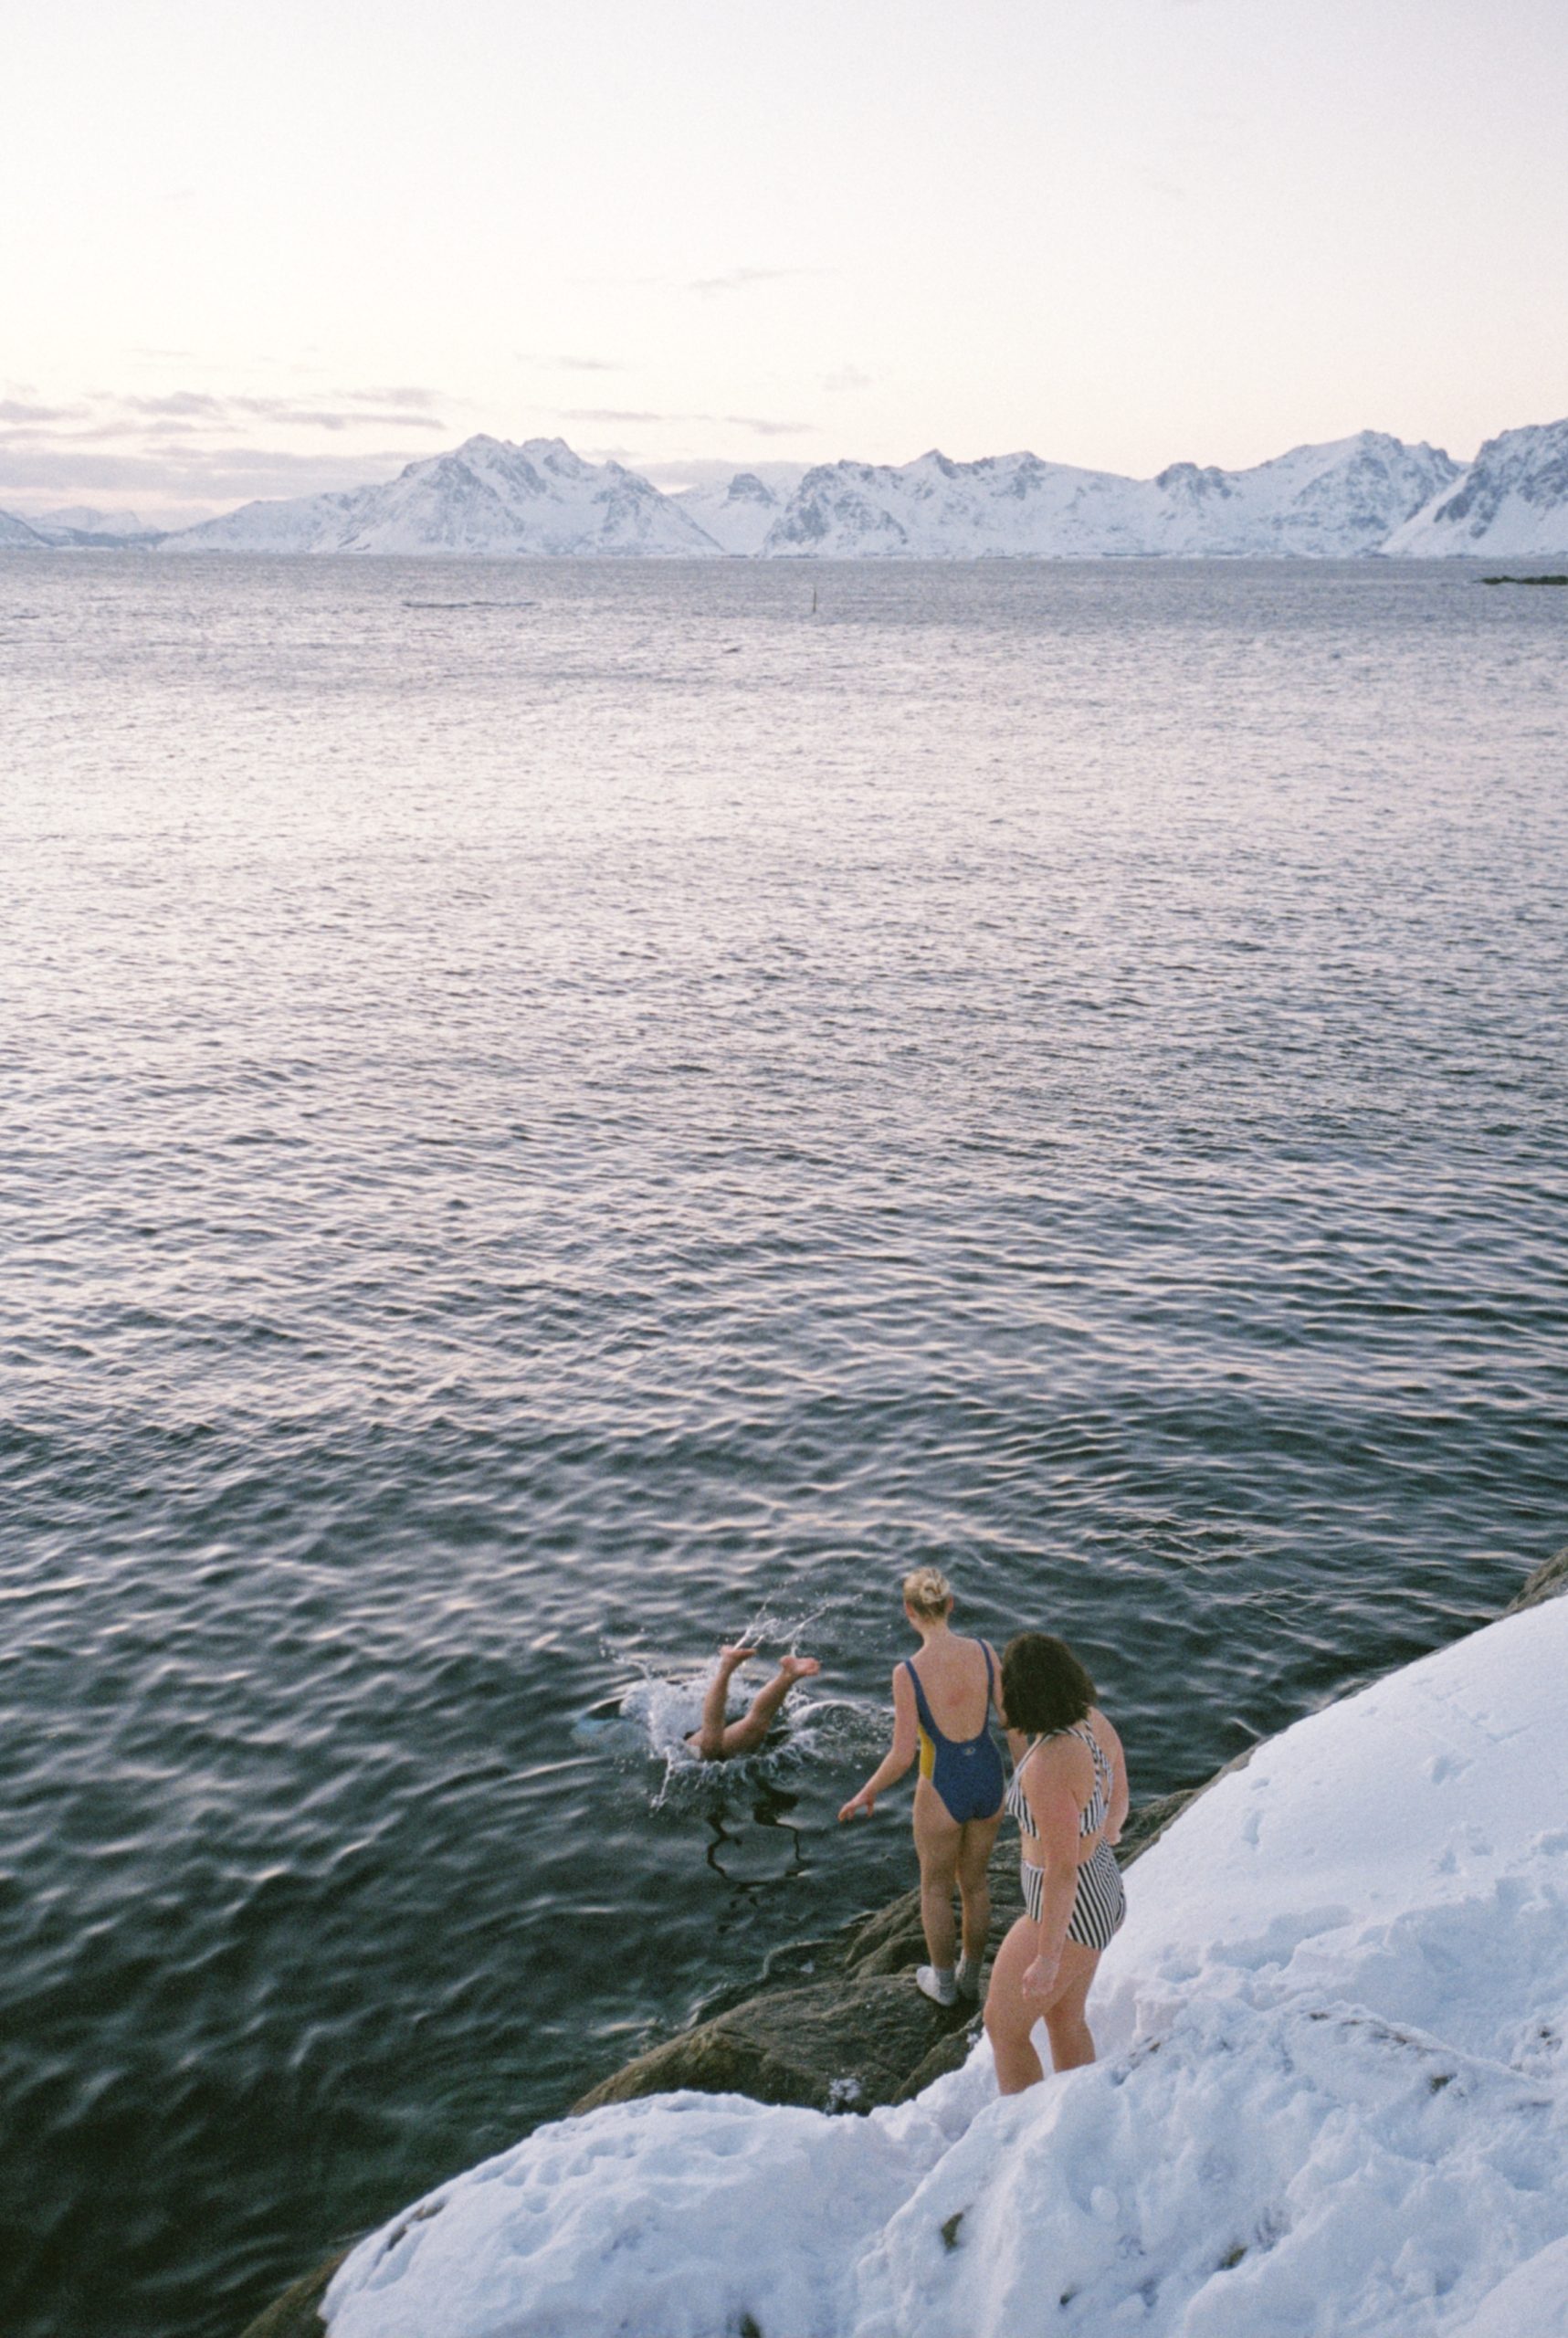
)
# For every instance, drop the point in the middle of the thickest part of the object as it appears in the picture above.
(569, 364)
(206, 407)
(763, 427)
(189, 403)
(741, 279)
(395, 397)
(15, 410)
(848, 378)
(135, 416)
(302, 417)
(617, 414)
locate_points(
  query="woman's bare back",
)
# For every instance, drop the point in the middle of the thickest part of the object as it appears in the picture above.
(957, 1683)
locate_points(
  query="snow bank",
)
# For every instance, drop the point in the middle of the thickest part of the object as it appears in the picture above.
(1331, 2097)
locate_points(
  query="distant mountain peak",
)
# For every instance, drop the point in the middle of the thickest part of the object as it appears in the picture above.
(487, 498)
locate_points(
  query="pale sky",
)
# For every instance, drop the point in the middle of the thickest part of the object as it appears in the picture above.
(260, 250)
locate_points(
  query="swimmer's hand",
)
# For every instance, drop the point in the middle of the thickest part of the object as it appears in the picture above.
(865, 1800)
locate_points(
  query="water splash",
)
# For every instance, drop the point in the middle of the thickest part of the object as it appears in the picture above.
(661, 1709)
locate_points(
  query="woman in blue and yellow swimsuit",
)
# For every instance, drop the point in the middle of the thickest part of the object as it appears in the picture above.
(942, 1703)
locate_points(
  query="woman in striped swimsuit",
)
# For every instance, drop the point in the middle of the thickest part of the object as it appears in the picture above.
(1068, 1794)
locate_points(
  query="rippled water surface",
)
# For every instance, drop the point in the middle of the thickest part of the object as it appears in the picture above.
(554, 1113)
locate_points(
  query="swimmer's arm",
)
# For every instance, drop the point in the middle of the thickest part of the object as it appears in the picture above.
(906, 1744)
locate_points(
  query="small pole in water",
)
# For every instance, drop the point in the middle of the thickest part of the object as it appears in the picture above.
(814, 600)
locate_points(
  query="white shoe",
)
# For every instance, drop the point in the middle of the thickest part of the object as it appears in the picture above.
(936, 1982)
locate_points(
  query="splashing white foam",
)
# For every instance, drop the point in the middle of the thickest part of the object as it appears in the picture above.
(664, 1708)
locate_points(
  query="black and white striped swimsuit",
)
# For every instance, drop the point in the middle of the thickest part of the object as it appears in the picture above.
(1100, 1903)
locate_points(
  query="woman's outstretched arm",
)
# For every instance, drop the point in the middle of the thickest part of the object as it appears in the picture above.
(905, 1741)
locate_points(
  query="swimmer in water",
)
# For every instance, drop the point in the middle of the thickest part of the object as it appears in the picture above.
(719, 1740)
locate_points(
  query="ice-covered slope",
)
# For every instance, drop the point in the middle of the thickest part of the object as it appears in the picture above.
(487, 497)
(1332, 2101)
(302, 523)
(1512, 504)
(16, 535)
(738, 516)
(83, 520)
(1333, 501)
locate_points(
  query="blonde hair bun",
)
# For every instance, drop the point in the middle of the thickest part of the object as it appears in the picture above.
(927, 1592)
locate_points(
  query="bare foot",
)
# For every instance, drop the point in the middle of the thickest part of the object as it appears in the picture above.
(731, 1656)
(798, 1667)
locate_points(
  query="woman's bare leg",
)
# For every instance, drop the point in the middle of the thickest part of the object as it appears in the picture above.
(974, 1885)
(1010, 2018)
(709, 1737)
(1072, 2041)
(745, 1735)
(938, 1836)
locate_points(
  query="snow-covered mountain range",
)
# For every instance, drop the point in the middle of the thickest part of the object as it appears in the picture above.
(1333, 501)
(1368, 494)
(486, 497)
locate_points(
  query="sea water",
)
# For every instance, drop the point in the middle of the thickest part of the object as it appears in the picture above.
(558, 1114)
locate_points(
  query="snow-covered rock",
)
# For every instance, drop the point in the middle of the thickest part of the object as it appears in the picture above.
(1331, 2103)
(1334, 502)
(485, 498)
(1512, 503)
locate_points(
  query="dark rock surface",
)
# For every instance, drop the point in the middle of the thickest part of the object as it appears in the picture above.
(838, 2025)
(294, 2314)
(1549, 1582)
(844, 2028)
(840, 2045)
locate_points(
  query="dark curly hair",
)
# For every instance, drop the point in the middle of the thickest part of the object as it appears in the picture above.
(1044, 1686)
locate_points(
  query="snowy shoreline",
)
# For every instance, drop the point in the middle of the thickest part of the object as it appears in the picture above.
(1333, 2095)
